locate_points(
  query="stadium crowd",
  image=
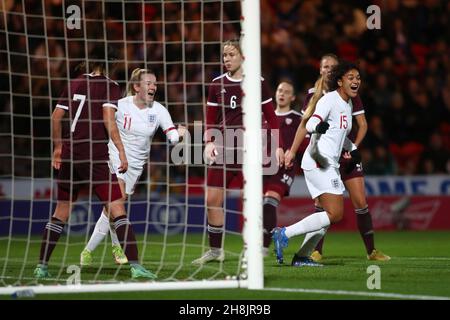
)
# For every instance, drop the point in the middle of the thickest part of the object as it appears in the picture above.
(405, 66)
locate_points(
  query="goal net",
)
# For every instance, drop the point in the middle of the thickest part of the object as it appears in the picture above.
(41, 43)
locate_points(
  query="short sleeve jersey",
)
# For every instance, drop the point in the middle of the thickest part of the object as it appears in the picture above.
(86, 138)
(289, 123)
(226, 93)
(337, 112)
(137, 128)
(358, 108)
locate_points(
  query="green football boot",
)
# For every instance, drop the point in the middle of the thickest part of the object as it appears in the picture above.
(41, 272)
(85, 258)
(118, 255)
(138, 271)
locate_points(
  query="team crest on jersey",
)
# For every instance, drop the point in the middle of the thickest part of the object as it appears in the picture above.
(288, 121)
(152, 118)
(335, 183)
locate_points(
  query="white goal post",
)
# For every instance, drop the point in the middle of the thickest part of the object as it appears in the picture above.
(252, 166)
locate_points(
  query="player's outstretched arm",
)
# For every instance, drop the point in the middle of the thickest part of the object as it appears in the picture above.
(113, 132)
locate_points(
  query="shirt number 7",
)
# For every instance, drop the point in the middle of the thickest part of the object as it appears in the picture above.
(82, 99)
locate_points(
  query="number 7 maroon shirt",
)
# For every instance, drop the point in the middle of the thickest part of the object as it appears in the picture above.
(84, 135)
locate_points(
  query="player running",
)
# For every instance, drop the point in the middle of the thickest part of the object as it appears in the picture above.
(329, 122)
(352, 176)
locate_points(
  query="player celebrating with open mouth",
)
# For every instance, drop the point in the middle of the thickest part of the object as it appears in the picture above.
(329, 123)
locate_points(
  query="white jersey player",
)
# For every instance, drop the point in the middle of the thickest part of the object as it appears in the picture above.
(138, 117)
(324, 150)
(329, 122)
(137, 127)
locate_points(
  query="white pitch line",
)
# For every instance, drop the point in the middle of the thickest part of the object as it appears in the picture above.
(422, 258)
(360, 293)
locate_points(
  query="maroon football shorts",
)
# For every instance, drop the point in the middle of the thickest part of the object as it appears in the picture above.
(280, 182)
(79, 174)
(223, 176)
(347, 172)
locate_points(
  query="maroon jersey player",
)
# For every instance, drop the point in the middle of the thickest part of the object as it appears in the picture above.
(224, 114)
(278, 185)
(84, 143)
(80, 156)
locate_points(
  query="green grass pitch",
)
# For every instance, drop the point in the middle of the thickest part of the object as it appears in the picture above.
(419, 269)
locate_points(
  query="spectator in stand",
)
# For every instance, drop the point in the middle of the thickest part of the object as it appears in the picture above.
(381, 163)
(435, 158)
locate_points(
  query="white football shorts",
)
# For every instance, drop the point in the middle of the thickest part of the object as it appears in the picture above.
(323, 180)
(130, 177)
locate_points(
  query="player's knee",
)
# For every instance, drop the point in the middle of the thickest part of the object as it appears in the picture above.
(62, 210)
(360, 203)
(116, 208)
(317, 203)
(214, 199)
(213, 203)
(335, 215)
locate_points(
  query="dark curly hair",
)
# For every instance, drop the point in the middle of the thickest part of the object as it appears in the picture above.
(338, 72)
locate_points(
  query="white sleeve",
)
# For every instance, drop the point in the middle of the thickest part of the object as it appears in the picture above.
(312, 124)
(320, 114)
(168, 127)
(349, 145)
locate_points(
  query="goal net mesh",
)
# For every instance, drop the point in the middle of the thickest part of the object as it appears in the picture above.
(41, 43)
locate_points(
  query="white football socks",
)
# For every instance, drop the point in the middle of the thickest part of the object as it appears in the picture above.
(100, 231)
(112, 232)
(311, 223)
(310, 242)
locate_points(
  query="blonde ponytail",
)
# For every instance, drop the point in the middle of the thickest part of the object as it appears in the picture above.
(318, 93)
